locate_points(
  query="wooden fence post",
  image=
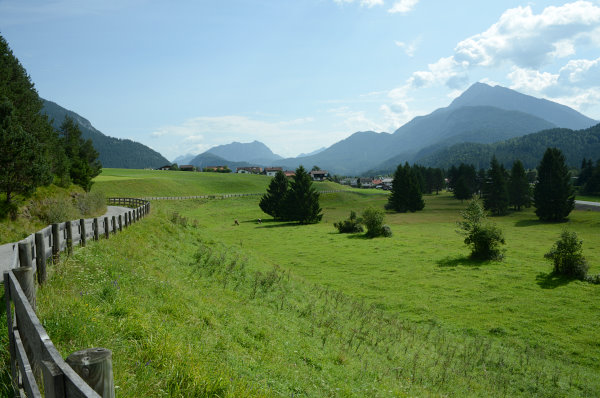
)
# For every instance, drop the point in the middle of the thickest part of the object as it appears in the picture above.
(25, 257)
(120, 223)
(96, 229)
(54, 381)
(106, 229)
(40, 257)
(83, 237)
(55, 242)
(114, 224)
(25, 277)
(94, 365)
(69, 227)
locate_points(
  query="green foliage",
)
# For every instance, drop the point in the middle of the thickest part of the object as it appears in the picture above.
(518, 187)
(592, 182)
(302, 200)
(22, 164)
(482, 236)
(406, 191)
(462, 180)
(54, 206)
(273, 201)
(553, 195)
(83, 158)
(349, 226)
(567, 256)
(495, 190)
(373, 219)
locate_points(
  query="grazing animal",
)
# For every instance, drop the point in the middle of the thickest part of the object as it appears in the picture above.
(235, 222)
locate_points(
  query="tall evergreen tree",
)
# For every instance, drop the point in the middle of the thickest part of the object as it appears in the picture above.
(587, 169)
(495, 189)
(273, 201)
(22, 165)
(302, 200)
(406, 192)
(592, 185)
(553, 195)
(83, 158)
(519, 191)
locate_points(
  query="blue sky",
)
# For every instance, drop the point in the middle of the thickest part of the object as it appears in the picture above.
(295, 74)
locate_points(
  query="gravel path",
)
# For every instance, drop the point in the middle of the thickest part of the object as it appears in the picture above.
(585, 205)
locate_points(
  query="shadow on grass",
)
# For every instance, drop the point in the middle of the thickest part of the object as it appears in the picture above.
(460, 260)
(551, 281)
(527, 223)
(280, 225)
(359, 236)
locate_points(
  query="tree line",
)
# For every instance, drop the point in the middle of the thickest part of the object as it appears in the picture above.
(32, 152)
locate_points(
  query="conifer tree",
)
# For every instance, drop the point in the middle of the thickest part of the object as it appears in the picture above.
(302, 200)
(273, 201)
(519, 192)
(22, 165)
(495, 189)
(83, 158)
(406, 192)
(553, 195)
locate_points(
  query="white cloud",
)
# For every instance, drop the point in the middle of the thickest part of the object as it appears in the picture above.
(364, 3)
(581, 72)
(531, 40)
(352, 120)
(445, 71)
(531, 80)
(409, 48)
(403, 6)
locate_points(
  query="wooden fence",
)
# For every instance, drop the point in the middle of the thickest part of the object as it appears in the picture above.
(33, 357)
(219, 196)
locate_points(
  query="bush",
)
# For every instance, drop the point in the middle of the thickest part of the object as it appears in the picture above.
(567, 256)
(483, 237)
(54, 210)
(373, 220)
(91, 204)
(350, 226)
(386, 231)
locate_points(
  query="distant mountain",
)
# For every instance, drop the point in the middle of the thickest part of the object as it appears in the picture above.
(113, 152)
(530, 148)
(252, 152)
(210, 159)
(184, 159)
(302, 155)
(480, 94)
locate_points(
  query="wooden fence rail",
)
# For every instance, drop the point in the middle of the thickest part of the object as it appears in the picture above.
(33, 357)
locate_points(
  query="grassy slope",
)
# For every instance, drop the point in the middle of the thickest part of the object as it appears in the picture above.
(138, 183)
(433, 322)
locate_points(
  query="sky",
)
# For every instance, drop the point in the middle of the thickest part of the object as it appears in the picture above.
(183, 76)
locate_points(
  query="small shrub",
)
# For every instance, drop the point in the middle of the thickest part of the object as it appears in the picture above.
(567, 256)
(595, 279)
(91, 204)
(387, 231)
(350, 226)
(373, 220)
(483, 237)
(54, 210)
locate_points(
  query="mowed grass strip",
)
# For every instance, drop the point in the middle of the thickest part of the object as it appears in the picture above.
(202, 307)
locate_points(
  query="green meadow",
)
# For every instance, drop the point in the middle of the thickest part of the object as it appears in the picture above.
(192, 305)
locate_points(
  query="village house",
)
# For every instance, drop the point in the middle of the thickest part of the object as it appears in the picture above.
(167, 167)
(249, 170)
(289, 173)
(366, 182)
(319, 175)
(215, 168)
(271, 171)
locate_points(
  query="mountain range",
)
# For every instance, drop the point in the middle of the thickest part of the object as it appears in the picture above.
(113, 152)
(482, 114)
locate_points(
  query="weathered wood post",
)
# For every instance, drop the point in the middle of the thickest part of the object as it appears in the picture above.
(40, 257)
(55, 242)
(11, 337)
(94, 365)
(83, 237)
(25, 277)
(96, 229)
(54, 380)
(114, 224)
(120, 223)
(106, 229)
(69, 227)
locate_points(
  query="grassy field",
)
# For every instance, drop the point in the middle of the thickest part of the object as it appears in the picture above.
(192, 305)
(200, 307)
(139, 183)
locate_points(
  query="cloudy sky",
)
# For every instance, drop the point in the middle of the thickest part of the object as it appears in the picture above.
(297, 75)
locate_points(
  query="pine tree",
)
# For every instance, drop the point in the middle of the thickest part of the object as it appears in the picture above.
(519, 191)
(592, 185)
(302, 200)
(272, 202)
(495, 189)
(22, 165)
(553, 194)
(83, 158)
(406, 192)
